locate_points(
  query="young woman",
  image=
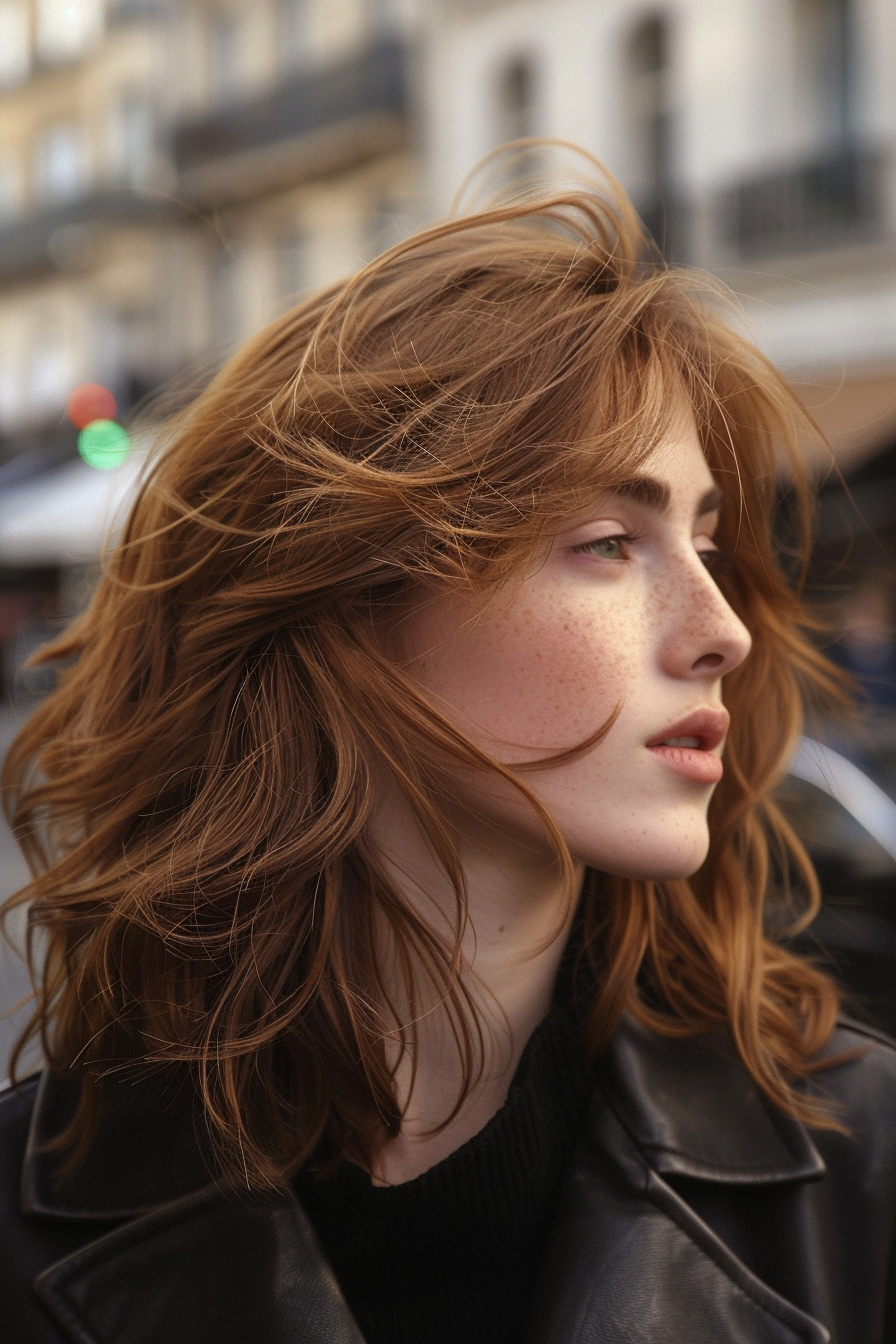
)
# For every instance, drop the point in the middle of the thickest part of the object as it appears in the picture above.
(405, 871)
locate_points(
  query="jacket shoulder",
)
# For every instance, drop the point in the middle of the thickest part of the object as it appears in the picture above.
(857, 1081)
(28, 1245)
(16, 1106)
(863, 1031)
(858, 1049)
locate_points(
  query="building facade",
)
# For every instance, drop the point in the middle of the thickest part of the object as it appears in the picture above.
(171, 176)
(758, 138)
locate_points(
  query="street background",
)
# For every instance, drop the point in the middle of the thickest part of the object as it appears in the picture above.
(173, 174)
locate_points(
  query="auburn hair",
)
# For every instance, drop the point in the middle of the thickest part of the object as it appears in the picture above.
(194, 797)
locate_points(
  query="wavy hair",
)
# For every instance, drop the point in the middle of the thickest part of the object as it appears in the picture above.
(194, 798)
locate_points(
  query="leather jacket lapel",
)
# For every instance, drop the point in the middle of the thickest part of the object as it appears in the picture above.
(186, 1262)
(693, 1110)
(148, 1150)
(630, 1261)
(205, 1269)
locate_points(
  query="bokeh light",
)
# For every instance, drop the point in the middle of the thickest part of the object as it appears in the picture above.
(104, 444)
(89, 402)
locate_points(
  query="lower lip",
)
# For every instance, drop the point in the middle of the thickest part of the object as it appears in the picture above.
(700, 766)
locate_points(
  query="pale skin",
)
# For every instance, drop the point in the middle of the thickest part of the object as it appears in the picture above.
(622, 613)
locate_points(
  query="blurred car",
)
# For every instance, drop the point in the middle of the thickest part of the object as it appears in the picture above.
(840, 796)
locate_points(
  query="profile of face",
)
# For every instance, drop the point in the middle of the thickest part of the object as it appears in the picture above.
(621, 615)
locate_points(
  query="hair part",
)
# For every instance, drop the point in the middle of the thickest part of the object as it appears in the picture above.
(195, 796)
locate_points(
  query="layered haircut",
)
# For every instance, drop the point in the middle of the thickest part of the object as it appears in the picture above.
(195, 796)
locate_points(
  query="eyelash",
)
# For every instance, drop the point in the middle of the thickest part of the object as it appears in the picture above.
(586, 547)
(716, 561)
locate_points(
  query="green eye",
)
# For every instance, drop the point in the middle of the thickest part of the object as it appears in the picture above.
(608, 548)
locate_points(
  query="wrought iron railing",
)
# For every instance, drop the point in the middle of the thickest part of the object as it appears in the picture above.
(63, 237)
(313, 100)
(838, 197)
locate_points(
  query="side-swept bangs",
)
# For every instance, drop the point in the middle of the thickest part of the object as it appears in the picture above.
(195, 796)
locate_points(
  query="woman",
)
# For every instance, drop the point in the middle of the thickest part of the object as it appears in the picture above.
(402, 845)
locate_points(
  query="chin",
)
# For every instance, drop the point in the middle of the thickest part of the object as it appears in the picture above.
(653, 862)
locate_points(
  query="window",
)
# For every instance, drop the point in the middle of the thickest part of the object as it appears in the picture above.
(649, 121)
(226, 43)
(15, 55)
(66, 28)
(380, 17)
(650, 166)
(49, 376)
(132, 140)
(10, 186)
(293, 33)
(226, 305)
(291, 262)
(822, 74)
(516, 100)
(60, 163)
(517, 119)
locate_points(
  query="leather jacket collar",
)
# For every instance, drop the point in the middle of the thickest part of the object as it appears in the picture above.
(238, 1268)
(693, 1110)
(669, 1095)
(147, 1152)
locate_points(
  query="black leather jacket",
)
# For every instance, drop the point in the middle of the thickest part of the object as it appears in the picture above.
(693, 1214)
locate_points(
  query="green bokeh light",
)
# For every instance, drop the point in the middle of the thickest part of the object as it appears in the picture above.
(104, 444)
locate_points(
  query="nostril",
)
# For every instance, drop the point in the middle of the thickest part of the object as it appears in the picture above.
(708, 663)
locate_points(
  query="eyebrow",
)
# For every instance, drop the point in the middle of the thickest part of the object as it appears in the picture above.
(654, 494)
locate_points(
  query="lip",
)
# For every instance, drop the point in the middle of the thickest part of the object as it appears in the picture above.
(709, 724)
(702, 764)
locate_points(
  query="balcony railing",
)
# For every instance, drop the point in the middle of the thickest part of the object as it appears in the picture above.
(311, 105)
(63, 237)
(838, 198)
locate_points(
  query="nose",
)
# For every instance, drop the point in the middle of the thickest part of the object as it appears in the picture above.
(705, 636)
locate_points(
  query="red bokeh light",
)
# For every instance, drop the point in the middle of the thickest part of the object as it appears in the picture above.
(89, 402)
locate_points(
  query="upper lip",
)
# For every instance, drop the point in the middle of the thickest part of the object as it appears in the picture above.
(709, 725)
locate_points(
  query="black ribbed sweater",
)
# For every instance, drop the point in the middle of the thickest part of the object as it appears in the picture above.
(451, 1257)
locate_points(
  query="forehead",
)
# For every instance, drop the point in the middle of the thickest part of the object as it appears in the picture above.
(653, 417)
(674, 475)
(678, 461)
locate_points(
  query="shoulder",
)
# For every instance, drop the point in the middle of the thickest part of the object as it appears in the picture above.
(858, 1064)
(857, 1080)
(16, 1106)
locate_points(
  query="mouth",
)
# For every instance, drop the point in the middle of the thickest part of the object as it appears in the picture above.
(689, 747)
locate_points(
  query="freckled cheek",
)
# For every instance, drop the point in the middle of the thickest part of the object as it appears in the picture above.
(543, 680)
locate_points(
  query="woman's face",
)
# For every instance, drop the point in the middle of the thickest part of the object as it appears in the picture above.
(624, 614)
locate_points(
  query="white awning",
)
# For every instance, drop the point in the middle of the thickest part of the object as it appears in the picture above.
(64, 516)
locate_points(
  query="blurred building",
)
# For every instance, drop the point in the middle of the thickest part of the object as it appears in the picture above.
(758, 138)
(172, 174)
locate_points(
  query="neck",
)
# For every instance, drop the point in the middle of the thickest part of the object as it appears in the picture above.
(520, 908)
